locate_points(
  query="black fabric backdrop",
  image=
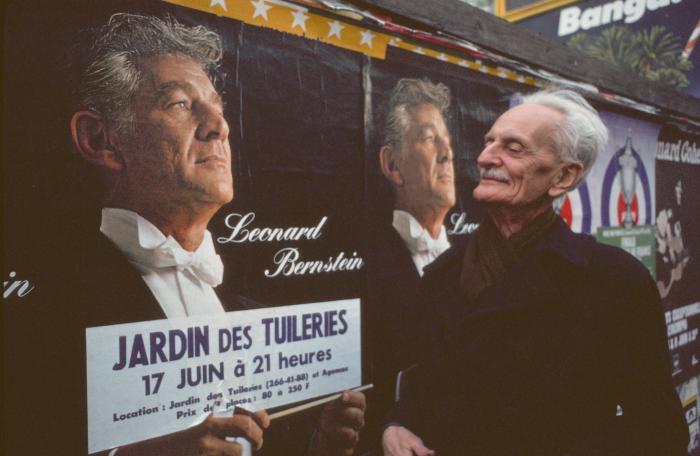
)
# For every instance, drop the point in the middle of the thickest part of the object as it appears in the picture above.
(304, 135)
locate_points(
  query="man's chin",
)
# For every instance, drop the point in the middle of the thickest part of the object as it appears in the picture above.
(216, 195)
(449, 202)
(487, 195)
(480, 193)
(444, 199)
(224, 197)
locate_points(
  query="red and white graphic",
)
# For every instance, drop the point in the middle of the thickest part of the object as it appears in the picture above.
(692, 41)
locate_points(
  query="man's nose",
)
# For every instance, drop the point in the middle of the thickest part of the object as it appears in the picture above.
(489, 156)
(212, 125)
(445, 153)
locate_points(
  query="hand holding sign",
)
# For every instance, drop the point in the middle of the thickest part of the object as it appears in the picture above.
(207, 438)
(171, 374)
(340, 424)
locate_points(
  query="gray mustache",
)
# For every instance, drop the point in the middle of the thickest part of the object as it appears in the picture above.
(494, 173)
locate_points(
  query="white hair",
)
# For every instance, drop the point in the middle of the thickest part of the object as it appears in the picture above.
(582, 135)
(115, 72)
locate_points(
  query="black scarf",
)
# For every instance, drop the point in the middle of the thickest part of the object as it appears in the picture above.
(490, 255)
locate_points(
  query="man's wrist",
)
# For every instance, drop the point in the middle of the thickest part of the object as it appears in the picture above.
(392, 423)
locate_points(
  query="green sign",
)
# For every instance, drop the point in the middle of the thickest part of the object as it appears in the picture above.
(640, 241)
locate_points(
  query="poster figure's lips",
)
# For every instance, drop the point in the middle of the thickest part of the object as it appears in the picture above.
(446, 178)
(212, 159)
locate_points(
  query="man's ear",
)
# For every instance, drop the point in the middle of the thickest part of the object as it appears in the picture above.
(569, 175)
(91, 139)
(389, 164)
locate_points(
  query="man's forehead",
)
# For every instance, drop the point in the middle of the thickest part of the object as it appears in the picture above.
(426, 115)
(162, 90)
(172, 71)
(529, 121)
(425, 111)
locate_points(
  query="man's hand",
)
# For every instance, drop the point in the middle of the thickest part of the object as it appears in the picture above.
(399, 441)
(206, 439)
(340, 424)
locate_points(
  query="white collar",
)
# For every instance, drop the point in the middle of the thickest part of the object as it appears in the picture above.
(147, 247)
(417, 238)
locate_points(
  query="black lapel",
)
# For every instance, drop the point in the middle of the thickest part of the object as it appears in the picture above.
(118, 292)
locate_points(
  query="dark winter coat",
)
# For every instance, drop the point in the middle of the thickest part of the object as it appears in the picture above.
(540, 364)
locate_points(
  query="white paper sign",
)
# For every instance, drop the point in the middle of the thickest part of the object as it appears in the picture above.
(152, 378)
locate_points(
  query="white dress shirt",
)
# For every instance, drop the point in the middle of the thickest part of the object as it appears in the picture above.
(183, 282)
(424, 249)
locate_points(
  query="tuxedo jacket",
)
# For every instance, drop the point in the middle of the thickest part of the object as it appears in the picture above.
(88, 283)
(392, 305)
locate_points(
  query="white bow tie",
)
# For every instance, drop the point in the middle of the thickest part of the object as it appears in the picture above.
(149, 249)
(417, 238)
(426, 244)
(206, 267)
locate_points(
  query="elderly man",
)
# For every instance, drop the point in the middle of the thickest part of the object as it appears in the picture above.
(540, 341)
(152, 122)
(416, 159)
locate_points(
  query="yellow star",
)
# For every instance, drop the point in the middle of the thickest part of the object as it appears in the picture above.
(221, 3)
(366, 38)
(261, 9)
(335, 29)
(299, 20)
